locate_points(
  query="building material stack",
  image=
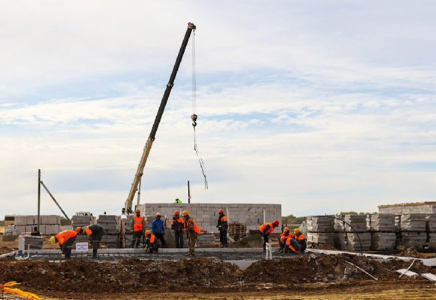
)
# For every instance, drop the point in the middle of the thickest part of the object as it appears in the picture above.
(205, 239)
(413, 230)
(352, 233)
(382, 227)
(431, 229)
(82, 220)
(33, 242)
(49, 224)
(319, 230)
(10, 234)
(237, 231)
(128, 231)
(112, 229)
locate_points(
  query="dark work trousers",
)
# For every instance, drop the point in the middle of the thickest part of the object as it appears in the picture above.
(223, 237)
(67, 247)
(95, 239)
(160, 237)
(265, 240)
(137, 238)
(179, 239)
(295, 245)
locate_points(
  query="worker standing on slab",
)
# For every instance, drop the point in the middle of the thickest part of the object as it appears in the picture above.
(95, 233)
(151, 244)
(192, 230)
(265, 230)
(177, 201)
(177, 227)
(222, 227)
(65, 239)
(283, 237)
(158, 229)
(138, 225)
(301, 239)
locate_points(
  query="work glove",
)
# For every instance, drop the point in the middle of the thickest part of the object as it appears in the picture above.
(219, 226)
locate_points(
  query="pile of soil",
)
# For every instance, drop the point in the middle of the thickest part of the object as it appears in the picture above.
(414, 252)
(327, 268)
(4, 250)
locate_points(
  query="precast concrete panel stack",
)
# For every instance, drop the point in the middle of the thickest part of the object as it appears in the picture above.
(49, 224)
(128, 231)
(382, 227)
(112, 228)
(320, 230)
(10, 234)
(431, 229)
(413, 230)
(82, 221)
(352, 233)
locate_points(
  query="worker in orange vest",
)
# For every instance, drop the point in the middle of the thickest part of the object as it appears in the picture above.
(65, 239)
(222, 227)
(292, 246)
(95, 233)
(283, 237)
(265, 230)
(138, 226)
(192, 230)
(151, 244)
(177, 224)
(301, 239)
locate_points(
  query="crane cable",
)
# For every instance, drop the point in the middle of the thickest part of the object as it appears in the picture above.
(194, 116)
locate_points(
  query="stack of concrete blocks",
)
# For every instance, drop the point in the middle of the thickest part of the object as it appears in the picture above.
(33, 242)
(128, 231)
(431, 229)
(353, 235)
(206, 215)
(320, 230)
(382, 227)
(49, 224)
(413, 230)
(82, 221)
(10, 234)
(112, 229)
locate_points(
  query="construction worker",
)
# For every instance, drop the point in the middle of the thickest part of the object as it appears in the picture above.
(301, 239)
(265, 230)
(95, 233)
(35, 232)
(138, 226)
(158, 229)
(192, 230)
(65, 239)
(292, 246)
(151, 244)
(222, 227)
(177, 227)
(283, 237)
(177, 201)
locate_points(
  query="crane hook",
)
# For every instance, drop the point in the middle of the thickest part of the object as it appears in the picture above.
(194, 120)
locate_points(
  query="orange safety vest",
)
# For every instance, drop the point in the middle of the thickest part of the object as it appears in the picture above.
(196, 227)
(288, 242)
(283, 237)
(152, 238)
(65, 235)
(262, 228)
(88, 231)
(137, 223)
(300, 237)
(179, 220)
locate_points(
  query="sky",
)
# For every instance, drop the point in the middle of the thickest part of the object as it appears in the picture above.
(320, 106)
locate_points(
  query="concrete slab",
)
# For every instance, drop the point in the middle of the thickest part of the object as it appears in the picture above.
(407, 273)
(429, 276)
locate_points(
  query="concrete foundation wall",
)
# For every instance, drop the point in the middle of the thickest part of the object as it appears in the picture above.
(206, 215)
(408, 209)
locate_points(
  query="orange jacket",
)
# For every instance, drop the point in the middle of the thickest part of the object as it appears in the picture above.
(288, 242)
(137, 223)
(269, 230)
(196, 228)
(64, 236)
(300, 237)
(284, 237)
(177, 224)
(151, 238)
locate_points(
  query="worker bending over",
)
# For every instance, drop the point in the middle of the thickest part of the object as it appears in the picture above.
(65, 239)
(301, 239)
(283, 237)
(95, 233)
(138, 226)
(222, 227)
(158, 229)
(177, 227)
(151, 243)
(265, 230)
(192, 230)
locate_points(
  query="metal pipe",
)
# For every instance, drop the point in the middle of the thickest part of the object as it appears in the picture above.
(56, 202)
(39, 197)
(189, 193)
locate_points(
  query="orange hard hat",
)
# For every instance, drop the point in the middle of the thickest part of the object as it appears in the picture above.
(221, 211)
(286, 229)
(185, 213)
(276, 223)
(177, 213)
(78, 230)
(297, 231)
(147, 233)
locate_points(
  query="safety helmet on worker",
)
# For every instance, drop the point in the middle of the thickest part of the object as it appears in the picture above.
(221, 211)
(138, 210)
(297, 231)
(185, 213)
(177, 213)
(79, 230)
(147, 233)
(276, 223)
(53, 240)
(286, 229)
(158, 214)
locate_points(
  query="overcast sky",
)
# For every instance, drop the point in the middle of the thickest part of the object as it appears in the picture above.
(321, 106)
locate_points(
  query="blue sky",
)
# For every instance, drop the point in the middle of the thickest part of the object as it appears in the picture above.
(323, 107)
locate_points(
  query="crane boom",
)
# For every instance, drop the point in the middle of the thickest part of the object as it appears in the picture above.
(128, 204)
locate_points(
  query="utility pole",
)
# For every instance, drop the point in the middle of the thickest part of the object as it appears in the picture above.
(189, 193)
(39, 196)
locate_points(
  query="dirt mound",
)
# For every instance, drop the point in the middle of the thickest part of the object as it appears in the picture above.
(326, 268)
(4, 250)
(125, 276)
